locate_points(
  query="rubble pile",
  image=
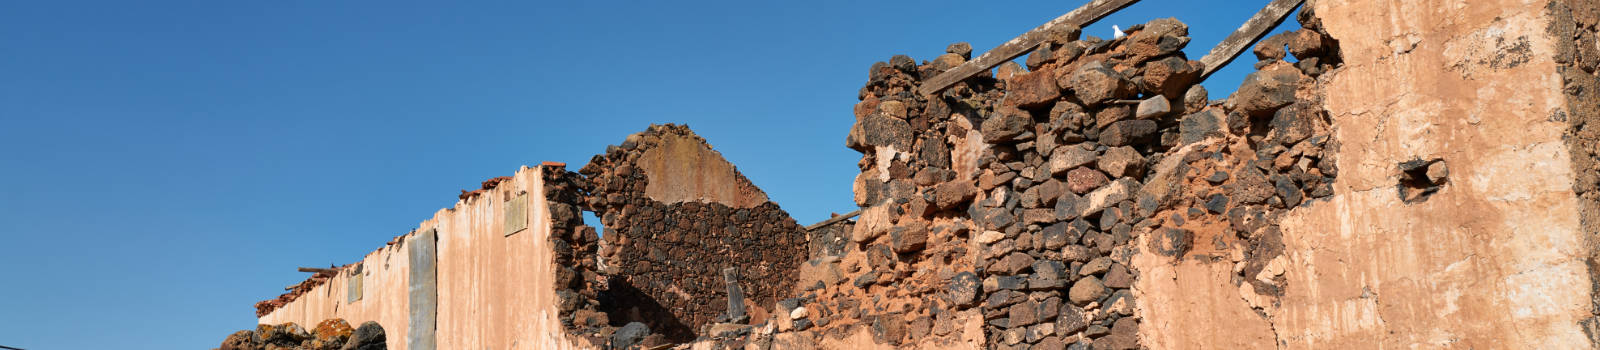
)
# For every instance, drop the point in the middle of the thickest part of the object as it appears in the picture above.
(331, 334)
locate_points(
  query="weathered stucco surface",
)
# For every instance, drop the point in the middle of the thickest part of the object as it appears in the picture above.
(384, 285)
(1493, 260)
(683, 169)
(957, 248)
(494, 291)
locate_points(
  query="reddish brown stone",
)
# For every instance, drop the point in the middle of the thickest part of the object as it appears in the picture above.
(1122, 161)
(1112, 114)
(1033, 89)
(1118, 277)
(1172, 76)
(1012, 264)
(1124, 335)
(1305, 44)
(1264, 91)
(1024, 313)
(865, 107)
(909, 237)
(1082, 180)
(950, 194)
(1094, 83)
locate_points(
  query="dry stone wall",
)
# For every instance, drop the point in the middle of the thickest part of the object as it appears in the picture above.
(578, 282)
(1574, 28)
(1005, 212)
(665, 255)
(1011, 204)
(1452, 221)
(1095, 197)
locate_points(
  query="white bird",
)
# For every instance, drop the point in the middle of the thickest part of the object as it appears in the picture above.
(1116, 32)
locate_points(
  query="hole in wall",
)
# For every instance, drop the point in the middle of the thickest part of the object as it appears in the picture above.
(592, 220)
(1420, 179)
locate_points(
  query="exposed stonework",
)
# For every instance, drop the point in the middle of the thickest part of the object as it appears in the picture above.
(1023, 198)
(330, 334)
(681, 167)
(1574, 27)
(1432, 182)
(664, 254)
(1463, 105)
(578, 280)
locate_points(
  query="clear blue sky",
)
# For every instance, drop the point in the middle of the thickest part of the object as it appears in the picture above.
(163, 166)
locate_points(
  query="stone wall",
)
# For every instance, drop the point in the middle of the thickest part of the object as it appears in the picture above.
(1454, 221)
(1006, 211)
(675, 215)
(578, 281)
(1394, 174)
(1573, 30)
(513, 265)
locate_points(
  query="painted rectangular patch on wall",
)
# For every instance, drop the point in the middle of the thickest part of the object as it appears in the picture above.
(353, 286)
(423, 291)
(516, 214)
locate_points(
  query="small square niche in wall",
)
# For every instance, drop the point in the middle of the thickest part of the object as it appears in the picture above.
(516, 214)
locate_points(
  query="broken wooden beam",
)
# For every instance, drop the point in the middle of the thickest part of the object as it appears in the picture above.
(833, 220)
(318, 270)
(1253, 30)
(1082, 16)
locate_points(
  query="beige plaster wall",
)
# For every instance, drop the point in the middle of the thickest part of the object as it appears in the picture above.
(1494, 260)
(494, 291)
(384, 277)
(682, 168)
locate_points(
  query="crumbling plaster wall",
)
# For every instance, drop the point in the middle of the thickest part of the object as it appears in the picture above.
(516, 267)
(1496, 258)
(495, 289)
(972, 237)
(683, 168)
(676, 213)
(384, 286)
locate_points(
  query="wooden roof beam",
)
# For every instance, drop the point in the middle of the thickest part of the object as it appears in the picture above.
(1082, 16)
(1253, 30)
(317, 270)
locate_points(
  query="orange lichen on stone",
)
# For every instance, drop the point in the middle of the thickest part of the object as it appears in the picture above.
(333, 327)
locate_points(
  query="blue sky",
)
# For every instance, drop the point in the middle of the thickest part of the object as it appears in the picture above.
(163, 166)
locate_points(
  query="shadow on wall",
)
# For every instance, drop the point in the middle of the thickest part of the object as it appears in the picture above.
(626, 303)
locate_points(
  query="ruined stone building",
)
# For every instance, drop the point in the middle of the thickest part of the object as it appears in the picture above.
(1396, 174)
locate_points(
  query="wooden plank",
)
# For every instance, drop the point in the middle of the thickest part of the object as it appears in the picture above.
(1082, 16)
(1253, 29)
(835, 219)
